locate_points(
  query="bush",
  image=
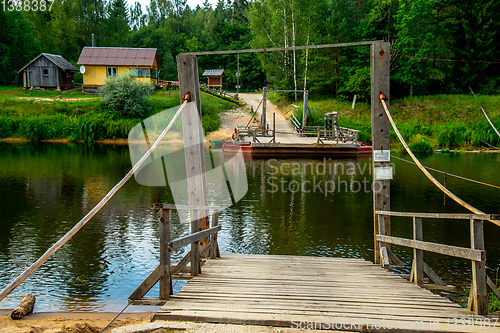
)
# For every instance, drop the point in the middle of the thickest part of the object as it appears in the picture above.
(127, 96)
(421, 144)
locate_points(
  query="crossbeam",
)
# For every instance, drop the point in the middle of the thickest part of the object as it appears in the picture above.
(289, 48)
(183, 241)
(452, 251)
(441, 215)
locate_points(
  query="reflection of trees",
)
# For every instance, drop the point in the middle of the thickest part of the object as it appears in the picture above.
(295, 222)
(46, 189)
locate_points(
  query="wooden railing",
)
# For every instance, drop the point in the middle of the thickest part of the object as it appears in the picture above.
(163, 273)
(478, 299)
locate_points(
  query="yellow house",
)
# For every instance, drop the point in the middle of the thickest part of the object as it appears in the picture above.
(100, 63)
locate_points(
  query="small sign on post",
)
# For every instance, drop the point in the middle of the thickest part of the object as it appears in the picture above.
(382, 155)
(383, 173)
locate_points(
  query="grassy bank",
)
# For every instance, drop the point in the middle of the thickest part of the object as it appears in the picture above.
(447, 121)
(50, 114)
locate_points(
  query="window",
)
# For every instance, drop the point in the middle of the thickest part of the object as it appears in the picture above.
(112, 71)
(45, 72)
(139, 72)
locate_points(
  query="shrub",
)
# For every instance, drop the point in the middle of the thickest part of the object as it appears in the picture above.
(421, 144)
(127, 96)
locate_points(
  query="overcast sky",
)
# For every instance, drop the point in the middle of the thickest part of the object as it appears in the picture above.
(191, 3)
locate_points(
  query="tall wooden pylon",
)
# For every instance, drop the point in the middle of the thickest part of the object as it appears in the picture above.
(380, 81)
(187, 68)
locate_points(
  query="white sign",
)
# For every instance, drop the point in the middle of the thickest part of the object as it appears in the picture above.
(82, 69)
(238, 87)
(383, 173)
(238, 74)
(381, 156)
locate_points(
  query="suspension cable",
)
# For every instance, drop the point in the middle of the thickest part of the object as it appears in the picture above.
(448, 174)
(53, 249)
(424, 170)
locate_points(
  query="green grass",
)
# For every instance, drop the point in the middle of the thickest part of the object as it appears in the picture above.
(448, 121)
(82, 120)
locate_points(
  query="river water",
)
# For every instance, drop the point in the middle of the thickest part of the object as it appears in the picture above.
(314, 207)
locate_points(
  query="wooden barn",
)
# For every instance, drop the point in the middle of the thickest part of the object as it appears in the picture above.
(99, 63)
(48, 71)
(214, 77)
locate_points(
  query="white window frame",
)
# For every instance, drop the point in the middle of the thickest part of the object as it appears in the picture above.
(111, 71)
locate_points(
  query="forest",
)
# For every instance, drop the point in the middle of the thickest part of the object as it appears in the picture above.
(437, 46)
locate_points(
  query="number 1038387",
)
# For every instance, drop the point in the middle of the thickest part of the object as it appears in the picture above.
(26, 5)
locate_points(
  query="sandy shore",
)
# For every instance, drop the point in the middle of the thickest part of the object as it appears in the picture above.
(89, 322)
(68, 322)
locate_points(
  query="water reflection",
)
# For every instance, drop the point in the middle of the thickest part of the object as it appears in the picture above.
(311, 207)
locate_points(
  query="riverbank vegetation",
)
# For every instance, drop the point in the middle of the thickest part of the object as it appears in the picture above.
(426, 122)
(436, 47)
(53, 115)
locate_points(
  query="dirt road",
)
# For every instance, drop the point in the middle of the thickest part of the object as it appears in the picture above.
(282, 125)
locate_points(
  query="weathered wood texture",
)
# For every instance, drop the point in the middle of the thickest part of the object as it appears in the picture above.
(187, 68)
(165, 275)
(276, 290)
(450, 216)
(183, 241)
(453, 251)
(25, 308)
(380, 80)
(418, 255)
(479, 287)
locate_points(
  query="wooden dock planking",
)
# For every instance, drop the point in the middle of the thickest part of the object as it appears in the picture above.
(276, 290)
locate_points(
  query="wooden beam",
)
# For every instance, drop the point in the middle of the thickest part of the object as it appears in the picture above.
(479, 290)
(433, 276)
(453, 251)
(380, 81)
(418, 255)
(187, 68)
(146, 285)
(213, 241)
(438, 287)
(184, 207)
(493, 287)
(189, 239)
(442, 215)
(205, 249)
(275, 49)
(395, 259)
(165, 275)
(184, 261)
(149, 301)
(384, 257)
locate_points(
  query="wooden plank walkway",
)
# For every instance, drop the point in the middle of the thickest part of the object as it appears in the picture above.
(311, 292)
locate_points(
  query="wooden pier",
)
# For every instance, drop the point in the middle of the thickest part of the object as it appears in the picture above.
(311, 292)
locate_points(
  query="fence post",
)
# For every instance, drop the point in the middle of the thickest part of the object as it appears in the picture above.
(214, 246)
(479, 298)
(384, 256)
(418, 255)
(165, 274)
(195, 249)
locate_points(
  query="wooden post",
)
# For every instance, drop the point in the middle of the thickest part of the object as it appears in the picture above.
(165, 275)
(479, 297)
(384, 256)
(264, 110)
(380, 80)
(195, 248)
(214, 246)
(304, 110)
(418, 255)
(187, 68)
